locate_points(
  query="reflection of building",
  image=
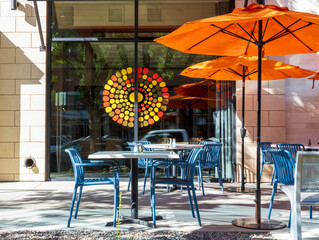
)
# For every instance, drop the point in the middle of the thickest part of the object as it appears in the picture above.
(90, 40)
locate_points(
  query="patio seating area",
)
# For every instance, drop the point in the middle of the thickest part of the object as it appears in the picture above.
(44, 206)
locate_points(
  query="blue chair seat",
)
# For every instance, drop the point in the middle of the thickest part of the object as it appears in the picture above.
(98, 181)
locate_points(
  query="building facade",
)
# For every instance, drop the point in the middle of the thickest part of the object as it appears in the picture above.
(72, 94)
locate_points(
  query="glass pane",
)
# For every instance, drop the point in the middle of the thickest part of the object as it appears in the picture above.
(80, 73)
(109, 19)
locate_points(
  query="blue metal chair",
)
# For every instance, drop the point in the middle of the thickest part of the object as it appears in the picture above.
(266, 158)
(209, 159)
(188, 180)
(80, 181)
(143, 163)
(284, 171)
(293, 148)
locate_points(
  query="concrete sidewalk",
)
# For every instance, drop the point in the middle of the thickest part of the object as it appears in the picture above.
(45, 206)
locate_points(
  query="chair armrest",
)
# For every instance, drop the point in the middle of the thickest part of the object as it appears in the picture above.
(157, 163)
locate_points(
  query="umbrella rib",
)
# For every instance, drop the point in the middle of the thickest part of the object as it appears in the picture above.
(214, 72)
(251, 37)
(227, 32)
(221, 30)
(287, 31)
(233, 71)
(249, 34)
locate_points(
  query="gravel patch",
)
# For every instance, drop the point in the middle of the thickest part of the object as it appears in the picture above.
(127, 235)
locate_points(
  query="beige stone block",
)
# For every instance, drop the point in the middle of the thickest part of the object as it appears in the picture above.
(36, 41)
(15, 71)
(37, 102)
(25, 55)
(277, 87)
(34, 149)
(7, 24)
(9, 102)
(296, 125)
(30, 177)
(11, 40)
(271, 102)
(251, 118)
(25, 102)
(4, 177)
(29, 24)
(7, 55)
(271, 134)
(7, 87)
(37, 134)
(292, 117)
(9, 166)
(32, 118)
(277, 118)
(251, 87)
(14, 134)
(30, 86)
(24, 9)
(248, 102)
(6, 150)
(42, 7)
(7, 118)
(37, 71)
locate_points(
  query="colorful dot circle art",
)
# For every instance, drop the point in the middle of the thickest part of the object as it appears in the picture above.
(118, 97)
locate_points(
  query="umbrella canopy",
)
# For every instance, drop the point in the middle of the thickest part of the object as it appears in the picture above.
(184, 102)
(258, 30)
(239, 68)
(202, 89)
(236, 33)
(243, 68)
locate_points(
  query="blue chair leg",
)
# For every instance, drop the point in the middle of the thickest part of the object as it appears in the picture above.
(129, 181)
(182, 176)
(310, 212)
(72, 205)
(190, 201)
(289, 219)
(167, 175)
(145, 177)
(116, 204)
(153, 196)
(198, 176)
(196, 206)
(261, 169)
(220, 178)
(78, 202)
(274, 190)
(201, 180)
(273, 175)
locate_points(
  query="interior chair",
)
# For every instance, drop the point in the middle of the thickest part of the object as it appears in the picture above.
(80, 181)
(305, 190)
(266, 158)
(143, 163)
(188, 180)
(209, 159)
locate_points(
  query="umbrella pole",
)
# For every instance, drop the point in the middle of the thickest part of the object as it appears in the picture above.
(243, 135)
(257, 223)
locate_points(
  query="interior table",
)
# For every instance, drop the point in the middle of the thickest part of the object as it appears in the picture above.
(133, 156)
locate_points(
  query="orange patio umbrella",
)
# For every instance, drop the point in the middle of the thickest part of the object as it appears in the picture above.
(243, 68)
(258, 30)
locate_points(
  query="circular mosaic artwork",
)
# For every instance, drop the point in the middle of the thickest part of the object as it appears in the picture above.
(118, 97)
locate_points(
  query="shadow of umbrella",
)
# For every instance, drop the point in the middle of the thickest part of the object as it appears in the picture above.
(243, 68)
(257, 30)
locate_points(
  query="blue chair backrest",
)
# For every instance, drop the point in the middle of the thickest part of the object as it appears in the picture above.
(284, 166)
(191, 161)
(264, 146)
(293, 148)
(142, 162)
(207, 142)
(76, 159)
(210, 155)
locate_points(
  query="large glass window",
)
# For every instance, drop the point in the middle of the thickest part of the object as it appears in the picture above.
(92, 80)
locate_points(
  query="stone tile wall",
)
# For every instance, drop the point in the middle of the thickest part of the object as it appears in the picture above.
(22, 92)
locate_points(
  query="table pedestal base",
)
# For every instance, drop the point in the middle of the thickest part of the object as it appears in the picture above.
(146, 221)
(265, 224)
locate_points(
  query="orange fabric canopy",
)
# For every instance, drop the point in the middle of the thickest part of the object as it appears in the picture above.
(235, 68)
(185, 102)
(236, 33)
